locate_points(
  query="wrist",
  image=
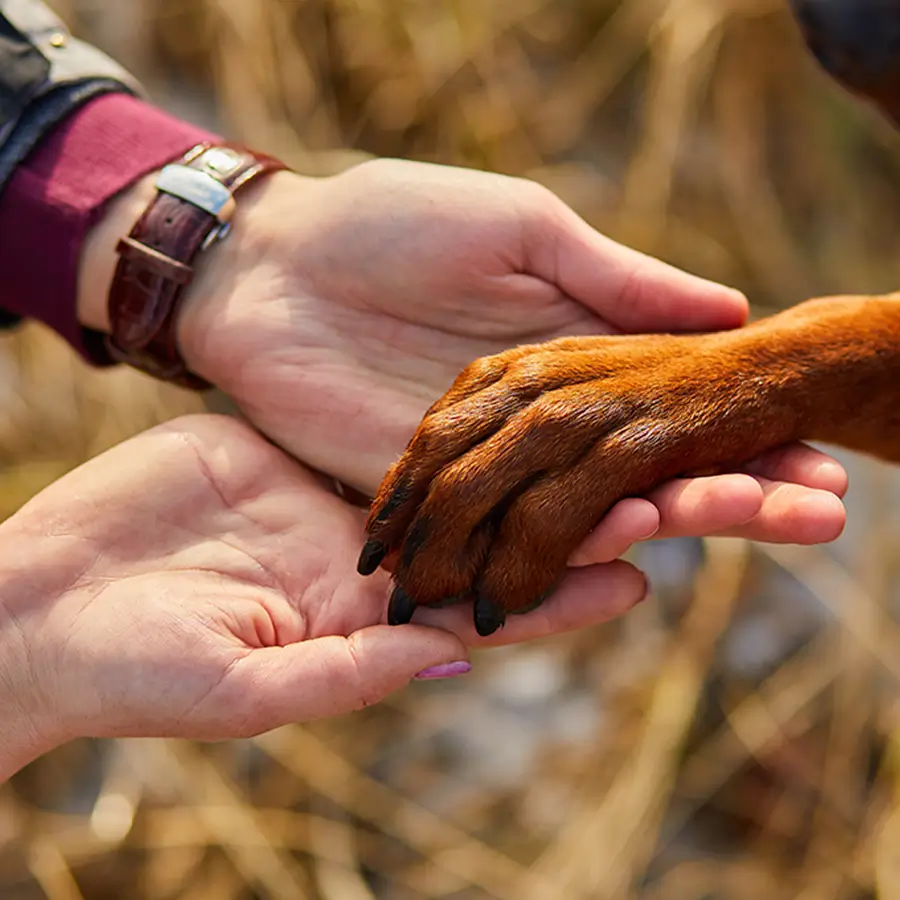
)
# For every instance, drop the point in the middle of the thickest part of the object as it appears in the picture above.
(217, 270)
(98, 258)
(211, 312)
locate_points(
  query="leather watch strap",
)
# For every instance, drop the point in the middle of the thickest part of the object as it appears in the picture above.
(190, 213)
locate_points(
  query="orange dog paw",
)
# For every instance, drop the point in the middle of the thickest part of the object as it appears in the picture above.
(527, 451)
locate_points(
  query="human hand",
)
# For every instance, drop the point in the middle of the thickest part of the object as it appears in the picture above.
(345, 306)
(196, 582)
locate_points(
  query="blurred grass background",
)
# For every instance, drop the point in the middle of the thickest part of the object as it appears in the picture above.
(738, 735)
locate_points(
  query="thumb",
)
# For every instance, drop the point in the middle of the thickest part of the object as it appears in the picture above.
(333, 675)
(630, 290)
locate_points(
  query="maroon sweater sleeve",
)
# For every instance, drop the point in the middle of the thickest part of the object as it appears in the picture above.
(59, 192)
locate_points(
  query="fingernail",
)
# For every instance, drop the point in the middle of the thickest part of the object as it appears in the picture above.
(447, 670)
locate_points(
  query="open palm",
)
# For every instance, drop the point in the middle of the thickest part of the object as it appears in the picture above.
(196, 582)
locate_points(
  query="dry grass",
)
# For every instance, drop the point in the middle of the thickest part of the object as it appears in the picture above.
(735, 737)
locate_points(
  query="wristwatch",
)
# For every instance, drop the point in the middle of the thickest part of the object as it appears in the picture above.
(190, 213)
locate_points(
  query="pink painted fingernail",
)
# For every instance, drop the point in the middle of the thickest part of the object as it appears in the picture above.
(447, 670)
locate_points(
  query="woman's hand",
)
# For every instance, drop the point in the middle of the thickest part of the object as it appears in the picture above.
(345, 306)
(196, 582)
(349, 304)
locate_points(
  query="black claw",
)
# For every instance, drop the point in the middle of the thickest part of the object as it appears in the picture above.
(400, 607)
(373, 552)
(489, 616)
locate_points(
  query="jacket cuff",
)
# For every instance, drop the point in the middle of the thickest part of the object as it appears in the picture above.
(60, 191)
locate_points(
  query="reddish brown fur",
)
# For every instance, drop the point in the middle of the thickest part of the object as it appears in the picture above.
(529, 449)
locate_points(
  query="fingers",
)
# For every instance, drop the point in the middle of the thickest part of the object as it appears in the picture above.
(585, 597)
(629, 521)
(801, 464)
(793, 514)
(792, 497)
(633, 291)
(757, 509)
(681, 508)
(690, 507)
(330, 676)
(801, 488)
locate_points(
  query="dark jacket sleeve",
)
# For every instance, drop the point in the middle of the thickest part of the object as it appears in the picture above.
(45, 74)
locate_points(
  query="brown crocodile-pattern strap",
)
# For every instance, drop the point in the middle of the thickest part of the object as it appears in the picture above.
(156, 265)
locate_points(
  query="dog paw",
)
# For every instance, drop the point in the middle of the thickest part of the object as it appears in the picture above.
(512, 468)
